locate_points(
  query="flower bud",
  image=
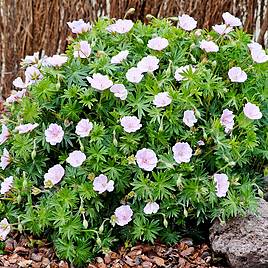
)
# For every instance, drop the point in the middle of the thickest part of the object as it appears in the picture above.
(101, 229)
(58, 86)
(33, 154)
(20, 228)
(165, 222)
(85, 223)
(98, 241)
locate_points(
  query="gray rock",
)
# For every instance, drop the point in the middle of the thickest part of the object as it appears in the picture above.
(243, 241)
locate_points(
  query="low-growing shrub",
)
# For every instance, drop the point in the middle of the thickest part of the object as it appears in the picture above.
(133, 133)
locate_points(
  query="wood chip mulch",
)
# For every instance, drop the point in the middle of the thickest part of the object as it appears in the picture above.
(27, 252)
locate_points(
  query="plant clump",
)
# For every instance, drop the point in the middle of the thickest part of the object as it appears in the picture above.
(133, 133)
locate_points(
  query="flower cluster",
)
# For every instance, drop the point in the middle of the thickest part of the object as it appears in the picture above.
(131, 132)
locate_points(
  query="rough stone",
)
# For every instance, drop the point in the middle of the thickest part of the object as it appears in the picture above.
(243, 241)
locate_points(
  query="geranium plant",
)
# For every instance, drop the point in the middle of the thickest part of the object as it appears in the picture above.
(135, 131)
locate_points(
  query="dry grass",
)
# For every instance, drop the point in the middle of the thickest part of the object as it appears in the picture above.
(27, 26)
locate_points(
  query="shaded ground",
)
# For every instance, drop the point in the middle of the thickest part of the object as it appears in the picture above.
(20, 251)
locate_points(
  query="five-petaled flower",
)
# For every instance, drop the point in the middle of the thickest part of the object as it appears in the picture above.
(231, 20)
(82, 50)
(222, 29)
(123, 215)
(130, 123)
(187, 23)
(222, 184)
(158, 43)
(56, 60)
(209, 46)
(5, 159)
(54, 134)
(252, 111)
(79, 26)
(83, 128)
(146, 159)
(119, 91)
(236, 74)
(76, 158)
(189, 118)
(118, 58)
(5, 229)
(162, 99)
(134, 75)
(101, 184)
(99, 81)
(53, 176)
(182, 152)
(4, 134)
(227, 120)
(6, 185)
(148, 64)
(151, 208)
(121, 26)
(25, 128)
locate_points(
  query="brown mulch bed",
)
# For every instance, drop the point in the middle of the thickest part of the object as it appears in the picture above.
(27, 252)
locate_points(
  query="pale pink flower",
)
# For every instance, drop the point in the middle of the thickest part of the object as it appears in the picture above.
(33, 59)
(5, 229)
(252, 111)
(179, 73)
(187, 23)
(148, 64)
(189, 118)
(56, 60)
(259, 56)
(26, 128)
(222, 29)
(201, 143)
(54, 175)
(6, 185)
(99, 81)
(182, 152)
(82, 50)
(118, 58)
(209, 46)
(134, 75)
(231, 20)
(222, 184)
(254, 46)
(157, 43)
(5, 159)
(146, 159)
(54, 134)
(236, 74)
(119, 91)
(227, 120)
(32, 75)
(162, 99)
(120, 26)
(17, 96)
(101, 184)
(130, 123)
(4, 134)
(79, 26)
(151, 208)
(19, 83)
(83, 128)
(123, 215)
(76, 158)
